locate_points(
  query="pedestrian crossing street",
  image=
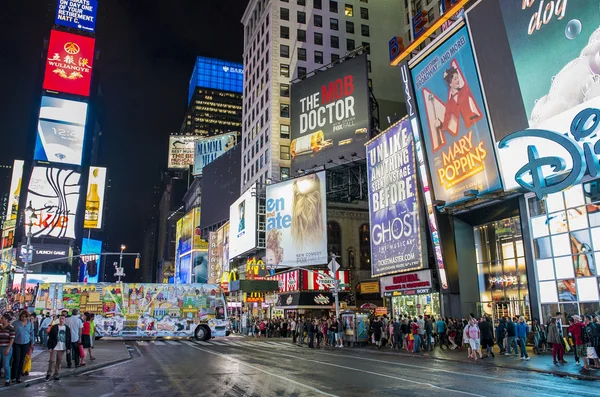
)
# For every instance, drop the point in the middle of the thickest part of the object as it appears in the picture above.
(220, 342)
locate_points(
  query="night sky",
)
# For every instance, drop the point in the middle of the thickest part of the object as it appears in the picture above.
(147, 52)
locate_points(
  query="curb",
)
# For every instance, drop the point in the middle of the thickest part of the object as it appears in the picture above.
(491, 364)
(72, 372)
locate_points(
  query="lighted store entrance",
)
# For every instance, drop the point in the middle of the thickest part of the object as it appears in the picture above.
(501, 269)
(416, 305)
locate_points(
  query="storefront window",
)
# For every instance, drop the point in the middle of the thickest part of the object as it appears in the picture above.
(565, 228)
(416, 305)
(501, 267)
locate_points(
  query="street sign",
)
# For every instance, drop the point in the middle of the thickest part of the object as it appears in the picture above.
(333, 266)
(26, 253)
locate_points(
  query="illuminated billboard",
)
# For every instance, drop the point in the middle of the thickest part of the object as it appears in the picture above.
(94, 198)
(89, 267)
(455, 126)
(14, 193)
(296, 222)
(69, 63)
(330, 114)
(393, 201)
(34, 279)
(208, 149)
(181, 151)
(54, 194)
(242, 221)
(60, 131)
(217, 74)
(79, 14)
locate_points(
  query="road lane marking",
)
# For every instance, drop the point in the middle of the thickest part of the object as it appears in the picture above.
(189, 343)
(172, 342)
(380, 374)
(158, 342)
(266, 372)
(217, 343)
(202, 343)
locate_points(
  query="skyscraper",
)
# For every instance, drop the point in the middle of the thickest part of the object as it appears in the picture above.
(286, 39)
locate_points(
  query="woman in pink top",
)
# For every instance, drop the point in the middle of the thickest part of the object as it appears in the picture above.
(472, 332)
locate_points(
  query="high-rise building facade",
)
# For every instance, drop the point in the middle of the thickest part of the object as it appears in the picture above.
(214, 98)
(286, 39)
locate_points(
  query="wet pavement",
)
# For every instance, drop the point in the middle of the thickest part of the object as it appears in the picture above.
(233, 367)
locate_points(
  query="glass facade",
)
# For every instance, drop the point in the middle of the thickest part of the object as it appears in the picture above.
(565, 228)
(503, 286)
(416, 305)
(216, 74)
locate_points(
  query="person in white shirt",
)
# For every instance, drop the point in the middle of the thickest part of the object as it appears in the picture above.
(76, 326)
(59, 340)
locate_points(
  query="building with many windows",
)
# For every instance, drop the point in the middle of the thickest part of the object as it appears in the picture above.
(286, 39)
(214, 98)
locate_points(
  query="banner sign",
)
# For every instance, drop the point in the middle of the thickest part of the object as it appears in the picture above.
(288, 281)
(54, 195)
(242, 218)
(554, 49)
(14, 194)
(369, 287)
(296, 222)
(181, 151)
(208, 149)
(393, 201)
(330, 114)
(455, 126)
(214, 267)
(69, 63)
(414, 283)
(94, 199)
(322, 280)
(80, 14)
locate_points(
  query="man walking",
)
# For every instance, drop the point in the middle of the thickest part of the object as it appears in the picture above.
(397, 334)
(44, 327)
(510, 337)
(300, 331)
(293, 329)
(487, 336)
(442, 330)
(59, 340)
(417, 339)
(428, 334)
(521, 331)
(76, 326)
(7, 338)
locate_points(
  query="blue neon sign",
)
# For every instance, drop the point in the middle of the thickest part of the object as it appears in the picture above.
(79, 14)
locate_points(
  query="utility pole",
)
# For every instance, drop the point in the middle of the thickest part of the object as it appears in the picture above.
(333, 267)
(27, 252)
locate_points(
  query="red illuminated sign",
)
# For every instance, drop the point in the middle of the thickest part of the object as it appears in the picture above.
(69, 63)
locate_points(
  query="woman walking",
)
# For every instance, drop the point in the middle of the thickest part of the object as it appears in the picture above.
(537, 335)
(24, 337)
(86, 335)
(473, 338)
(554, 339)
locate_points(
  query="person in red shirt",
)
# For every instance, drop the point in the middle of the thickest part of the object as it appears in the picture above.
(86, 337)
(576, 328)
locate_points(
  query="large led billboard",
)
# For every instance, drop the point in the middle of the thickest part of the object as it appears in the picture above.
(554, 49)
(220, 187)
(455, 126)
(14, 193)
(393, 201)
(54, 195)
(79, 14)
(69, 63)
(242, 221)
(208, 149)
(185, 226)
(330, 114)
(60, 131)
(217, 74)
(94, 198)
(34, 279)
(181, 151)
(296, 222)
(89, 269)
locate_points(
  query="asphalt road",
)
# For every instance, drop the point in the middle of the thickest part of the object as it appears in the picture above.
(236, 367)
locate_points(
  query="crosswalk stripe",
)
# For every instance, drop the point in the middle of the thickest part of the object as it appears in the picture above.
(159, 343)
(217, 343)
(187, 342)
(141, 342)
(172, 342)
(201, 342)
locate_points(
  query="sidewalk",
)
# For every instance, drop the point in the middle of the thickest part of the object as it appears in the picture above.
(106, 353)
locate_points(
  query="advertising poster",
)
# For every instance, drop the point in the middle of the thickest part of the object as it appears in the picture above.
(76, 296)
(14, 193)
(330, 114)
(33, 279)
(61, 131)
(200, 266)
(393, 201)
(79, 14)
(187, 233)
(554, 46)
(455, 126)
(297, 222)
(208, 149)
(242, 220)
(94, 199)
(54, 194)
(185, 269)
(69, 63)
(90, 259)
(181, 151)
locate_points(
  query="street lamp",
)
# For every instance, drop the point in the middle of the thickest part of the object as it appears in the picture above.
(31, 216)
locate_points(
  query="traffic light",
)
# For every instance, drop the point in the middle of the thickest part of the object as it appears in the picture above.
(137, 262)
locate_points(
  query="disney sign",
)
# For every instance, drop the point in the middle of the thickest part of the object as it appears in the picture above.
(555, 161)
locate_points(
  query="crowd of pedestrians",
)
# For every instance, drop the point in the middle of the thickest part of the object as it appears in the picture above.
(65, 336)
